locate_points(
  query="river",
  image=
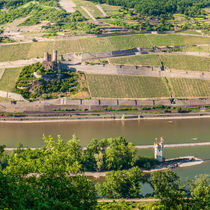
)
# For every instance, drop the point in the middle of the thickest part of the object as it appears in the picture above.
(140, 132)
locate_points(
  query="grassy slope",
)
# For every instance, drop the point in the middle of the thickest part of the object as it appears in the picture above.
(189, 87)
(31, 50)
(113, 86)
(9, 78)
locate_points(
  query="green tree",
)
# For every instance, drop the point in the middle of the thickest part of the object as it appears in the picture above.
(167, 186)
(43, 179)
(200, 191)
(122, 184)
(120, 154)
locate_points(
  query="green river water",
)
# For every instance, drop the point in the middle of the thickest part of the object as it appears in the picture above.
(142, 132)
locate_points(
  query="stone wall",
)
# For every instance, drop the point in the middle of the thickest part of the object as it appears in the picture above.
(64, 103)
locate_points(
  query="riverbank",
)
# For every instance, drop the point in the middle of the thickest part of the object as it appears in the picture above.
(169, 164)
(103, 117)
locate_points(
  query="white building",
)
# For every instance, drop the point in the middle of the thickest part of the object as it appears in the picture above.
(159, 150)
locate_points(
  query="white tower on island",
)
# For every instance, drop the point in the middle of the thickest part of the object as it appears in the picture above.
(159, 150)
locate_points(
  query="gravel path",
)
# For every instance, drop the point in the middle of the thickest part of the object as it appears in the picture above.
(18, 63)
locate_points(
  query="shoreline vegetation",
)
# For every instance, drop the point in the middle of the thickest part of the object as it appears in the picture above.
(55, 173)
(105, 117)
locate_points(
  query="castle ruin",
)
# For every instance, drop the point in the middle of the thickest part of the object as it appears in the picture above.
(51, 61)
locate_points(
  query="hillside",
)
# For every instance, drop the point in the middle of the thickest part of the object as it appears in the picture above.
(27, 20)
(107, 40)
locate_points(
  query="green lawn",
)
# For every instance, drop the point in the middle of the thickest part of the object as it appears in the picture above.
(186, 62)
(10, 76)
(145, 60)
(113, 86)
(185, 88)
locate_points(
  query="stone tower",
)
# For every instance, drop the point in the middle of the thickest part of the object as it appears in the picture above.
(47, 57)
(50, 61)
(55, 56)
(159, 150)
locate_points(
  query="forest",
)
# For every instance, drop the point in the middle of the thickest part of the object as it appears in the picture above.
(57, 81)
(192, 8)
(51, 177)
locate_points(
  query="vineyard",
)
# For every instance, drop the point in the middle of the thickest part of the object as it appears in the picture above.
(175, 40)
(8, 80)
(113, 86)
(186, 62)
(102, 44)
(189, 87)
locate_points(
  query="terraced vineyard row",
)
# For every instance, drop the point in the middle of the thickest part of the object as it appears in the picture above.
(189, 87)
(186, 62)
(113, 86)
(9, 78)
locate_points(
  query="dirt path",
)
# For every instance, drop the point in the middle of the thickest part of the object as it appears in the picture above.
(68, 5)
(101, 10)
(89, 14)
(19, 63)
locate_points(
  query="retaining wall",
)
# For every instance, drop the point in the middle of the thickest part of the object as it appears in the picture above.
(64, 103)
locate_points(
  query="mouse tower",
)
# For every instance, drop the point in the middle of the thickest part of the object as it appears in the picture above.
(159, 150)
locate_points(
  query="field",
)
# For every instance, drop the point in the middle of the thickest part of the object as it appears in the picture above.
(145, 60)
(113, 86)
(186, 88)
(102, 44)
(8, 80)
(176, 40)
(186, 62)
